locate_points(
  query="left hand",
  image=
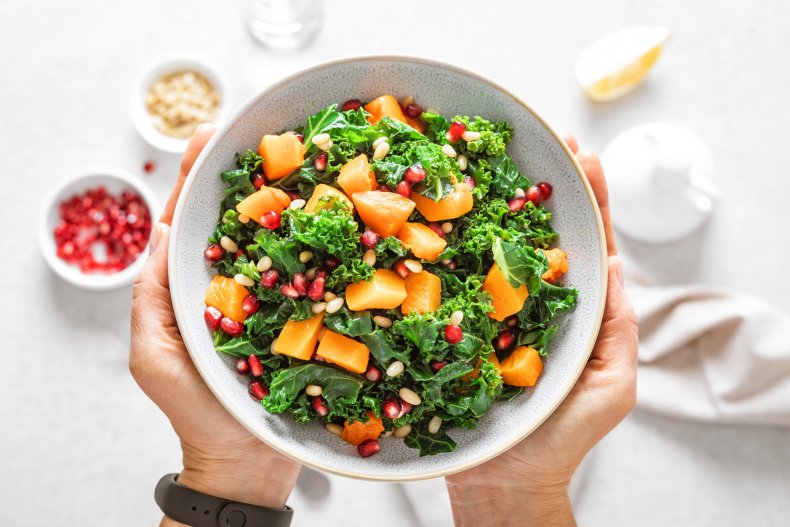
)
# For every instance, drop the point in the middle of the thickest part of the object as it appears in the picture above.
(220, 456)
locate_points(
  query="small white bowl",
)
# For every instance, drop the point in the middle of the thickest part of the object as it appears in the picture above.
(139, 112)
(115, 181)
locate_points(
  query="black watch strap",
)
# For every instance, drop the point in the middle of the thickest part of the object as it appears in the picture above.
(194, 508)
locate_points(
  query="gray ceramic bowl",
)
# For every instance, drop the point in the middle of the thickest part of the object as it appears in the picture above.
(537, 151)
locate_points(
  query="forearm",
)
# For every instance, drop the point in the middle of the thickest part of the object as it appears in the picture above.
(505, 507)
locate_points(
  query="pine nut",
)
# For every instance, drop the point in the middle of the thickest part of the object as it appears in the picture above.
(264, 264)
(434, 424)
(318, 307)
(519, 192)
(243, 218)
(325, 146)
(313, 390)
(334, 305)
(380, 140)
(447, 227)
(334, 428)
(463, 163)
(319, 139)
(407, 101)
(381, 151)
(402, 431)
(413, 265)
(395, 369)
(329, 296)
(305, 256)
(310, 273)
(470, 136)
(410, 396)
(431, 109)
(297, 204)
(382, 321)
(370, 257)
(228, 244)
(244, 280)
(271, 348)
(456, 318)
(449, 151)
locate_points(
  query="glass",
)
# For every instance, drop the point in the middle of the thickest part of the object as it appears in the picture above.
(284, 23)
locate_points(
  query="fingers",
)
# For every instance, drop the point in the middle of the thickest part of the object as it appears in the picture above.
(196, 145)
(571, 142)
(151, 292)
(618, 337)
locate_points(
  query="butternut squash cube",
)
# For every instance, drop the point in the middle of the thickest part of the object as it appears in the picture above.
(386, 290)
(522, 367)
(357, 432)
(282, 154)
(259, 203)
(506, 299)
(558, 265)
(315, 203)
(385, 106)
(226, 294)
(422, 241)
(451, 206)
(355, 176)
(298, 338)
(423, 293)
(384, 213)
(346, 352)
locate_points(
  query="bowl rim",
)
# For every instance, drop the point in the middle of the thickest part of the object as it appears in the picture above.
(96, 282)
(153, 70)
(282, 448)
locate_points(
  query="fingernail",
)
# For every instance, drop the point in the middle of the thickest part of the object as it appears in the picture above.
(153, 241)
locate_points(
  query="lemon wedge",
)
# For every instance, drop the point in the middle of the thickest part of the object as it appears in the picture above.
(616, 64)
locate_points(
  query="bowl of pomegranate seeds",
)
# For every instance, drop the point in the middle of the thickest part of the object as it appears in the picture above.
(94, 229)
(388, 268)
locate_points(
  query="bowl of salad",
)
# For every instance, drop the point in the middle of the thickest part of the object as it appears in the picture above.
(388, 268)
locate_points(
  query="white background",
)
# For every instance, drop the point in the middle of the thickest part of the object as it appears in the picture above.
(81, 445)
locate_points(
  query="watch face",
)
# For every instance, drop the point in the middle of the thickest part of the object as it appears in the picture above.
(236, 519)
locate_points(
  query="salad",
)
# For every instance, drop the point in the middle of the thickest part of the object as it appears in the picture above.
(387, 271)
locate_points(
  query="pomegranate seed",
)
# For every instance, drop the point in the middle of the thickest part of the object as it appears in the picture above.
(456, 131)
(413, 110)
(400, 268)
(316, 290)
(404, 408)
(453, 334)
(300, 137)
(332, 262)
(533, 195)
(269, 278)
(372, 373)
(414, 174)
(242, 366)
(403, 188)
(320, 161)
(435, 228)
(258, 391)
(231, 327)
(149, 167)
(319, 406)
(250, 304)
(258, 181)
(213, 316)
(238, 254)
(214, 252)
(271, 219)
(289, 291)
(369, 447)
(470, 182)
(383, 188)
(321, 272)
(504, 340)
(438, 365)
(390, 408)
(294, 195)
(300, 283)
(517, 203)
(545, 190)
(256, 368)
(351, 104)
(369, 239)
(511, 321)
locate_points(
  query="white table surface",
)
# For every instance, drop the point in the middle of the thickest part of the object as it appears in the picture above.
(81, 445)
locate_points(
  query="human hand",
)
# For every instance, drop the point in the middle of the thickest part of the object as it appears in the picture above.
(530, 481)
(220, 456)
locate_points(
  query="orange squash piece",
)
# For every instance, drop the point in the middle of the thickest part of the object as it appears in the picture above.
(386, 290)
(416, 123)
(355, 176)
(558, 265)
(522, 367)
(282, 154)
(226, 294)
(259, 203)
(357, 432)
(422, 241)
(506, 299)
(314, 204)
(474, 374)
(385, 106)
(423, 293)
(452, 205)
(384, 213)
(298, 339)
(346, 352)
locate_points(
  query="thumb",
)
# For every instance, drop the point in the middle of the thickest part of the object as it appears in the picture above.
(151, 291)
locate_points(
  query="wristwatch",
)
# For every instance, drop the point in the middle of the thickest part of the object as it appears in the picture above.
(194, 508)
